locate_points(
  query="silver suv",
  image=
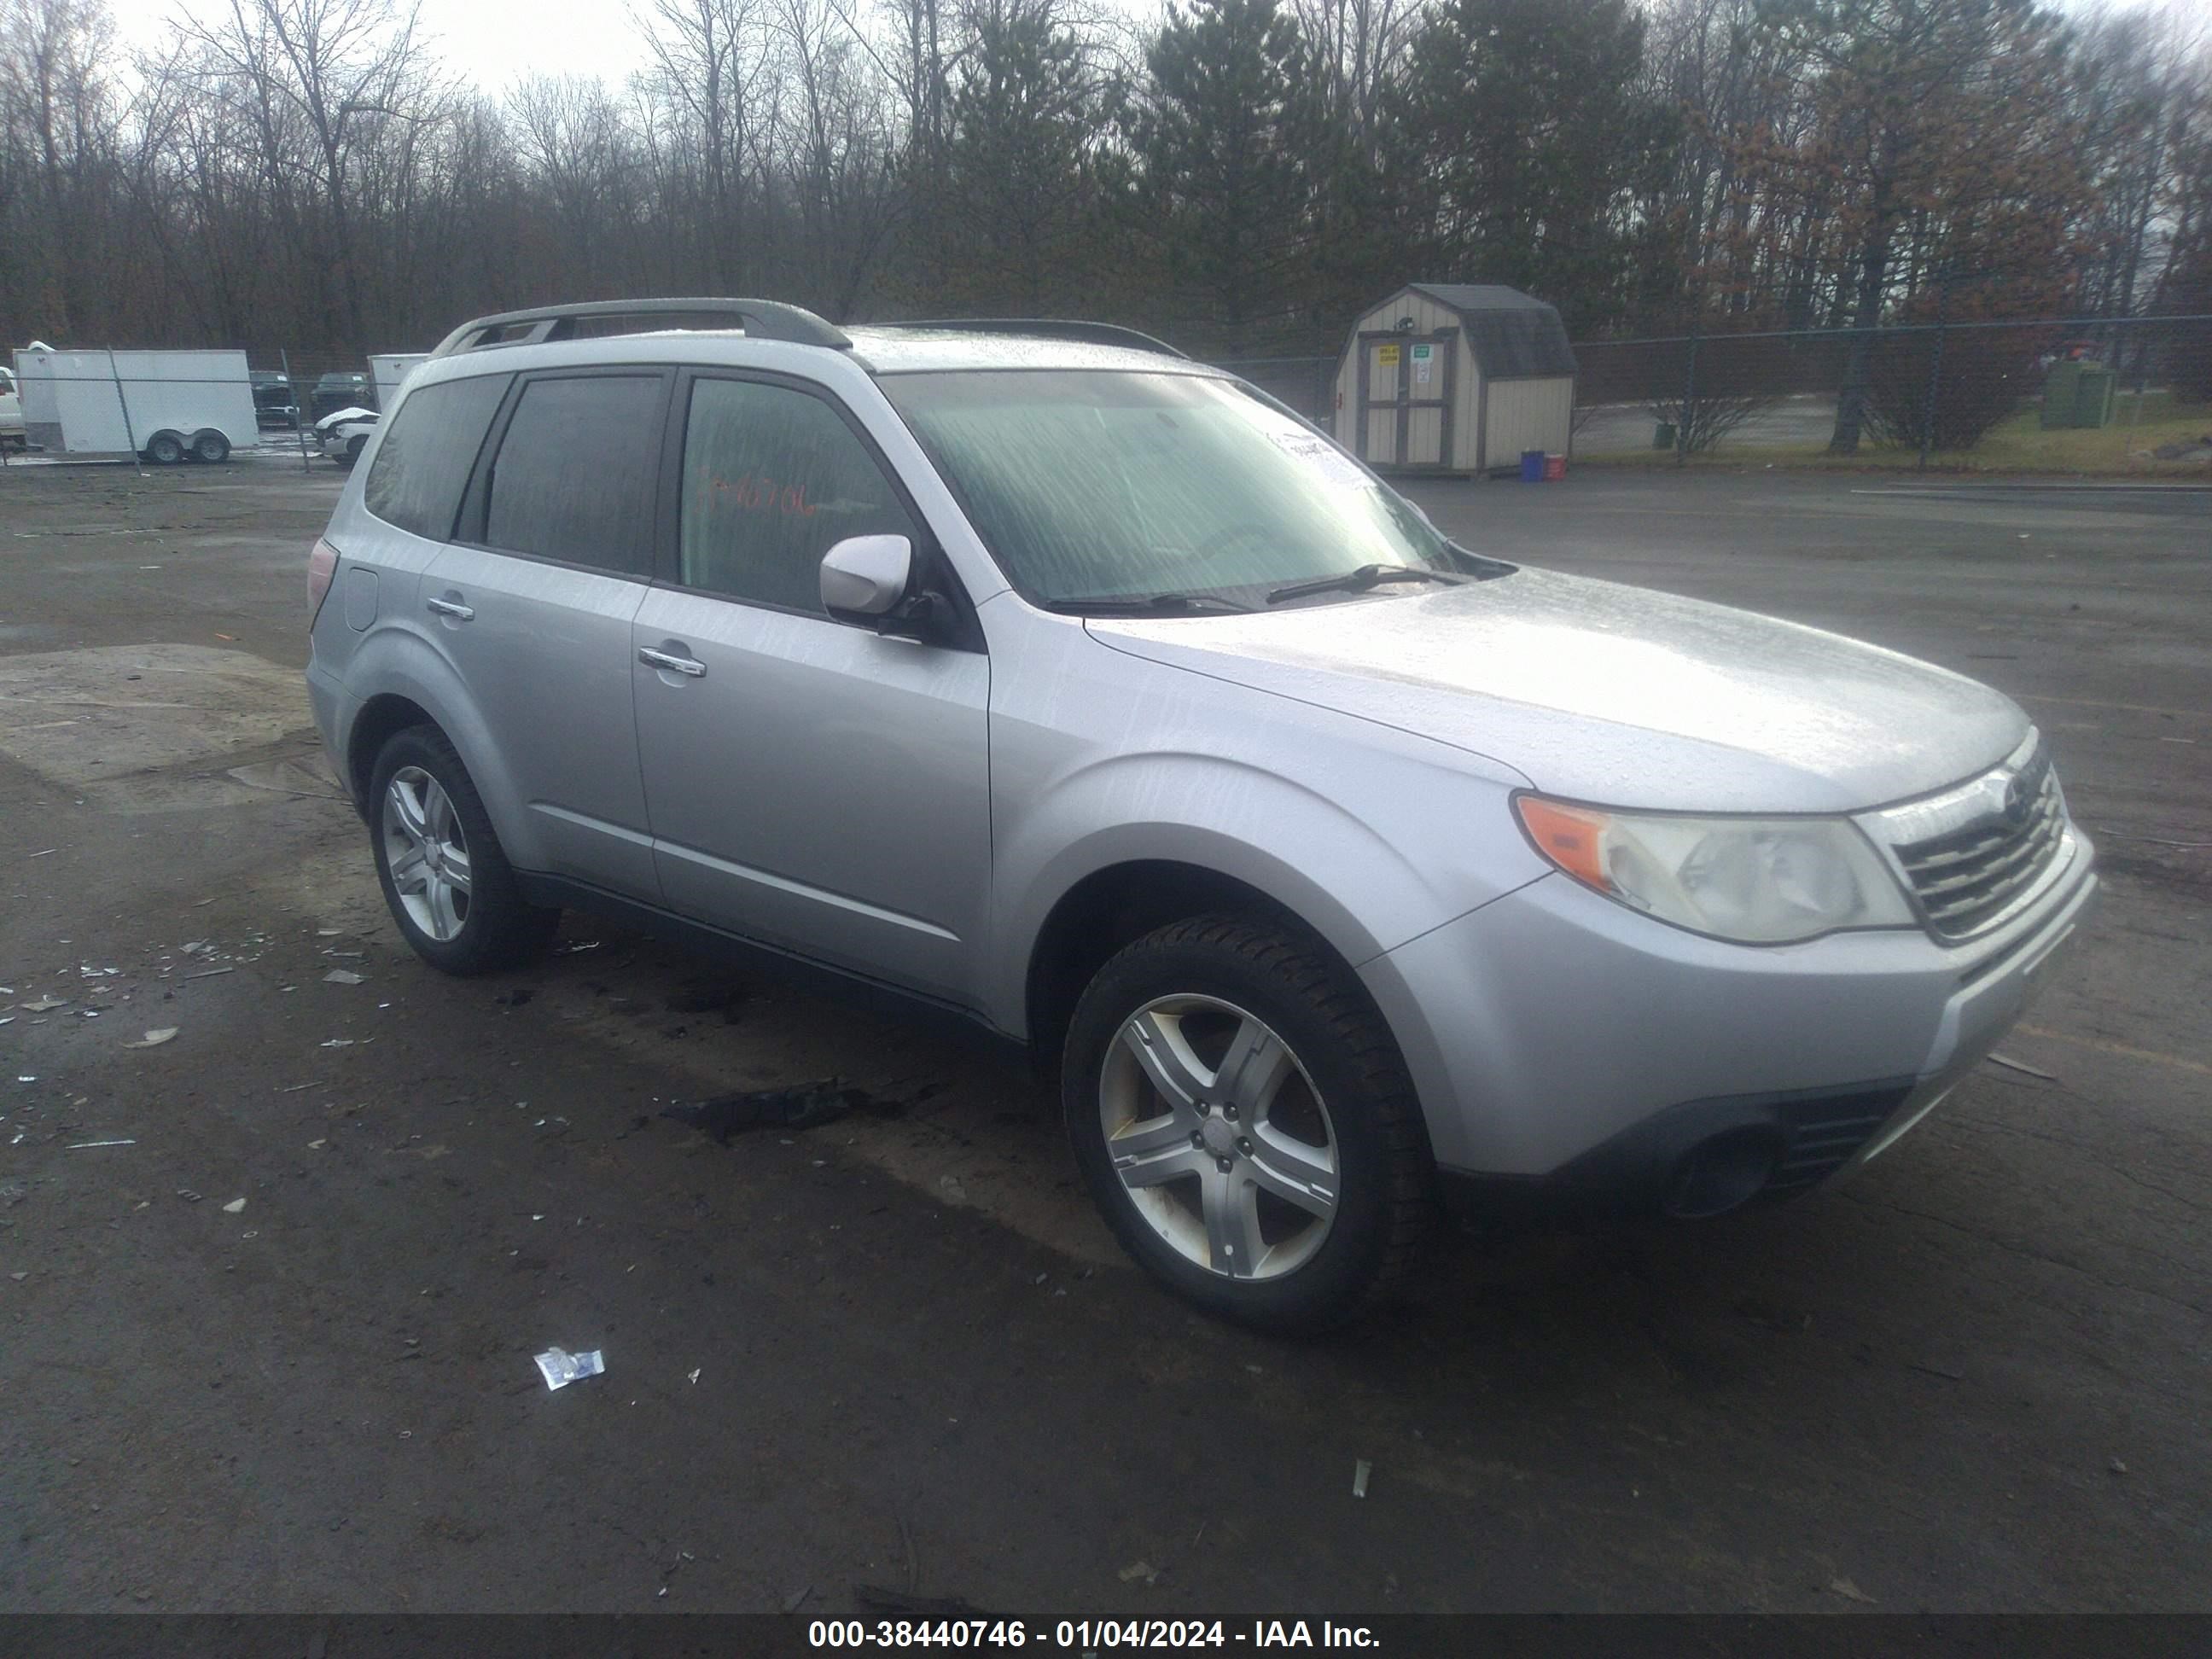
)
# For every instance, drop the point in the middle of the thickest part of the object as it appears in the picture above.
(1034, 676)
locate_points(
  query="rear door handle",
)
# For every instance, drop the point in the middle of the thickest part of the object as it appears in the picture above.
(691, 665)
(452, 608)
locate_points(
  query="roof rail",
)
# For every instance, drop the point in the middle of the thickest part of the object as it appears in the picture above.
(761, 320)
(1050, 328)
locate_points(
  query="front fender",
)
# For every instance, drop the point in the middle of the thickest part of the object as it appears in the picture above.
(1345, 864)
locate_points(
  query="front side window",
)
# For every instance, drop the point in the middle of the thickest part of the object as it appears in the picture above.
(1098, 485)
(574, 477)
(424, 461)
(773, 477)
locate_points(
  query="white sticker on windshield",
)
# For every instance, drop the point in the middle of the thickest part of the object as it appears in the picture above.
(1339, 468)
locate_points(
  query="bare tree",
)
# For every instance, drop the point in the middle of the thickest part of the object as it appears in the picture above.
(325, 79)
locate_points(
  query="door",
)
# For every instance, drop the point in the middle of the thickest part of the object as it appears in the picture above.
(533, 606)
(1405, 399)
(810, 785)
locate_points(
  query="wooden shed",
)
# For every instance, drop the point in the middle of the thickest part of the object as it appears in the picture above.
(1455, 377)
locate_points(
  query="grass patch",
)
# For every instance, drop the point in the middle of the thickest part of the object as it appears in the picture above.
(2016, 444)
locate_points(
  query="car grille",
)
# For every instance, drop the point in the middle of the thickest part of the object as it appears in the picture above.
(1964, 879)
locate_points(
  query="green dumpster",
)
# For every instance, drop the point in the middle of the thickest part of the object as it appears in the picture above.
(2060, 387)
(2096, 389)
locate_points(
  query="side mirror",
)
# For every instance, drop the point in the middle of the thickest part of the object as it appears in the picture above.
(864, 578)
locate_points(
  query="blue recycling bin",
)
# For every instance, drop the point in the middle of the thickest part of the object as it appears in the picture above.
(1532, 466)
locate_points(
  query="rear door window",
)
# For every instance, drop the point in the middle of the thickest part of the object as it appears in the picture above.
(773, 477)
(423, 464)
(573, 479)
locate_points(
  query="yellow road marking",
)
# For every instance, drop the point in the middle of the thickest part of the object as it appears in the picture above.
(2118, 1049)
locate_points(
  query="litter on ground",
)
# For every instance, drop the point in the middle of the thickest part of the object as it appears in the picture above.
(153, 1039)
(233, 1207)
(562, 1367)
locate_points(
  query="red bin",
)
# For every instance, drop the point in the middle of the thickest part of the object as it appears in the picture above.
(1555, 468)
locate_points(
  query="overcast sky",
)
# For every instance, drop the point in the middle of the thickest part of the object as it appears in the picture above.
(492, 41)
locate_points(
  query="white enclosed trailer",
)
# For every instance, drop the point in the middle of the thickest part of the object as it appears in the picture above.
(162, 405)
(391, 370)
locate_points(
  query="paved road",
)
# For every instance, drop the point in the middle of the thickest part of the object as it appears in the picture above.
(898, 1350)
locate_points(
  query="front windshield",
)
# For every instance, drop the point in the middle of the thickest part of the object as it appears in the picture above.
(1091, 484)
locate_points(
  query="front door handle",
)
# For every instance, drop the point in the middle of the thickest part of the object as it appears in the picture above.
(452, 608)
(691, 665)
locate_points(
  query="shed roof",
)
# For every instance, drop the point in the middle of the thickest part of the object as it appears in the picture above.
(1514, 336)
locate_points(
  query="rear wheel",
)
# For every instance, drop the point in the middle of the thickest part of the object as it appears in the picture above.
(164, 449)
(1241, 1115)
(352, 452)
(210, 446)
(448, 886)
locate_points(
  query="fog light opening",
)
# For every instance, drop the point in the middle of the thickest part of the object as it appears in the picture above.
(1723, 1174)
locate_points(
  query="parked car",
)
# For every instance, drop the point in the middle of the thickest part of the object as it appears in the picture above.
(343, 435)
(340, 390)
(1077, 694)
(12, 435)
(275, 406)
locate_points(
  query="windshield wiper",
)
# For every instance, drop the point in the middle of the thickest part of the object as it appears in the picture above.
(1145, 604)
(1359, 581)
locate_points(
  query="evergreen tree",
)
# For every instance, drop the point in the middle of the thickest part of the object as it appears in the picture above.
(1523, 134)
(1217, 185)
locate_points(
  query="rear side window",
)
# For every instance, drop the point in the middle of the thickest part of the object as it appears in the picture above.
(772, 478)
(423, 464)
(574, 477)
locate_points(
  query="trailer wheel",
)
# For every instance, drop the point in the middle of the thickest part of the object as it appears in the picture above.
(211, 446)
(164, 449)
(353, 453)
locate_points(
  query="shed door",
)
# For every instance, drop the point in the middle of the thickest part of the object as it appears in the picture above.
(1405, 399)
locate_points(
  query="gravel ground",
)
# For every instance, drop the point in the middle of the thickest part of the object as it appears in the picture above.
(274, 1352)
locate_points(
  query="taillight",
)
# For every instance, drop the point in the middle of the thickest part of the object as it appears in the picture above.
(322, 565)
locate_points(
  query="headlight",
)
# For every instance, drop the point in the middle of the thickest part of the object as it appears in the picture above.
(1757, 881)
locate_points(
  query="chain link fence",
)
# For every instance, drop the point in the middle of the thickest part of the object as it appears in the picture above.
(185, 406)
(2063, 394)
(2058, 394)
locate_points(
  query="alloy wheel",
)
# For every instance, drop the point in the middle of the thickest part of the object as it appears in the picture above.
(426, 853)
(1220, 1137)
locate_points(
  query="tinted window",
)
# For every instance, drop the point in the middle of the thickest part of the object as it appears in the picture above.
(573, 479)
(422, 465)
(771, 478)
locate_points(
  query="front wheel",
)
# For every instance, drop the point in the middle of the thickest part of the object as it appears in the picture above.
(449, 886)
(164, 449)
(1241, 1116)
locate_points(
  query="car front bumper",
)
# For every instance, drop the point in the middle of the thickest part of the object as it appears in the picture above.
(1566, 1048)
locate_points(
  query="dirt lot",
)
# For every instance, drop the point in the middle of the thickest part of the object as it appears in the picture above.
(898, 1350)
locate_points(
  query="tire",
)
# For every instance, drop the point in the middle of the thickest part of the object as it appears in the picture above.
(210, 446)
(353, 453)
(491, 924)
(1339, 1109)
(164, 449)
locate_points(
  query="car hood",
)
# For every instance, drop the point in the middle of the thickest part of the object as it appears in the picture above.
(1615, 695)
